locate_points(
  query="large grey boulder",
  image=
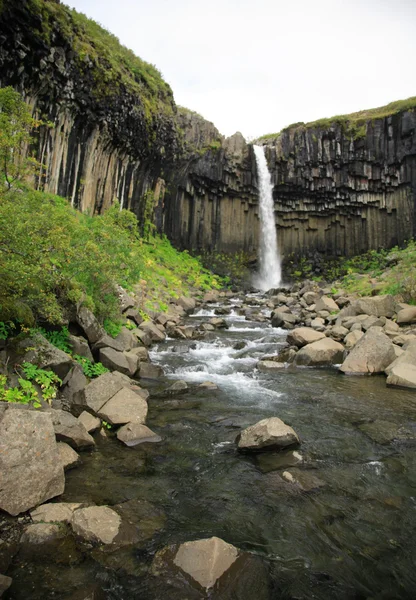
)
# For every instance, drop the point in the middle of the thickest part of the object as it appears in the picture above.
(89, 324)
(90, 422)
(155, 334)
(79, 345)
(70, 430)
(135, 433)
(45, 355)
(303, 335)
(99, 391)
(371, 354)
(267, 434)
(326, 303)
(127, 339)
(284, 319)
(73, 383)
(407, 316)
(402, 371)
(115, 361)
(150, 371)
(323, 352)
(68, 457)
(379, 306)
(352, 338)
(188, 304)
(124, 407)
(30, 469)
(106, 341)
(96, 524)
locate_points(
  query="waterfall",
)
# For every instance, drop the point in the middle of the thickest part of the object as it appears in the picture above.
(270, 273)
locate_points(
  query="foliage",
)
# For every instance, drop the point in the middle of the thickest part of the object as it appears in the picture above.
(354, 125)
(6, 329)
(112, 328)
(47, 380)
(16, 125)
(60, 338)
(26, 393)
(233, 268)
(89, 368)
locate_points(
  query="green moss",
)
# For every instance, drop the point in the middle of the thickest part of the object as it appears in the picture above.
(354, 125)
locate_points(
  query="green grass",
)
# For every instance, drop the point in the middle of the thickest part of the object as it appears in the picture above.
(354, 124)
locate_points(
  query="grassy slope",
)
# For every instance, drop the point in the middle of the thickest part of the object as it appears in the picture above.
(354, 123)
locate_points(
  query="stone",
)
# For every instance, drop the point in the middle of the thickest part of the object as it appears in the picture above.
(125, 406)
(5, 583)
(303, 479)
(188, 304)
(45, 355)
(133, 361)
(311, 297)
(126, 339)
(115, 361)
(30, 469)
(206, 560)
(55, 512)
(208, 385)
(272, 461)
(135, 433)
(150, 371)
(373, 321)
(210, 297)
(106, 341)
(303, 335)
(283, 319)
(218, 323)
(96, 524)
(126, 301)
(407, 316)
(133, 315)
(267, 434)
(286, 355)
(318, 324)
(155, 334)
(371, 354)
(41, 533)
(320, 353)
(89, 324)
(68, 457)
(402, 371)
(379, 306)
(70, 430)
(90, 422)
(326, 303)
(79, 346)
(352, 338)
(338, 332)
(267, 366)
(141, 353)
(99, 391)
(73, 383)
(178, 386)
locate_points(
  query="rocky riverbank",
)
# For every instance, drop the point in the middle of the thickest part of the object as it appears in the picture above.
(357, 335)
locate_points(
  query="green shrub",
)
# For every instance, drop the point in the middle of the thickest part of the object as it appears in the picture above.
(89, 368)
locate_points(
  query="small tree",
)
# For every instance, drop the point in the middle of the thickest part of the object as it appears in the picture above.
(16, 125)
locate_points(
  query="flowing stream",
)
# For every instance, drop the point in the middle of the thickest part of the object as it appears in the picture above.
(349, 535)
(270, 273)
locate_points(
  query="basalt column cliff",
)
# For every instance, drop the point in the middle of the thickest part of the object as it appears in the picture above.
(340, 187)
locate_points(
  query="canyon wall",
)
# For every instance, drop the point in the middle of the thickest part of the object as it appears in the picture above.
(117, 135)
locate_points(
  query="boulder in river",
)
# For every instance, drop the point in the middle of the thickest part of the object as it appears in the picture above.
(68, 457)
(96, 524)
(134, 434)
(69, 430)
(30, 469)
(267, 434)
(5, 583)
(371, 354)
(321, 353)
(124, 407)
(402, 371)
(303, 335)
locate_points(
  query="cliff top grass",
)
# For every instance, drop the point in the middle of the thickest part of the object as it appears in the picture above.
(100, 53)
(354, 123)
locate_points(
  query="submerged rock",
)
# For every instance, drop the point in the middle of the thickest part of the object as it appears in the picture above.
(55, 512)
(5, 583)
(268, 366)
(134, 434)
(41, 533)
(267, 434)
(30, 468)
(96, 524)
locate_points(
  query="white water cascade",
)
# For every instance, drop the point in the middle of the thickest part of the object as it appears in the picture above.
(270, 272)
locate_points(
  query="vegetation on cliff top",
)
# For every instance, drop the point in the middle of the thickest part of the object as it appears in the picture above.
(98, 53)
(354, 124)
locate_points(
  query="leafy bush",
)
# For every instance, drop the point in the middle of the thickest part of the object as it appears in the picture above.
(60, 339)
(89, 368)
(26, 393)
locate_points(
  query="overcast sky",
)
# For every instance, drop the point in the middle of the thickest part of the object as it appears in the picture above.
(256, 66)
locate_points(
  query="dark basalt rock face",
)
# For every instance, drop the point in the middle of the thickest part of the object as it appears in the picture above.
(335, 194)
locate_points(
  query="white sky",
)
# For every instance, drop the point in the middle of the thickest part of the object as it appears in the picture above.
(256, 66)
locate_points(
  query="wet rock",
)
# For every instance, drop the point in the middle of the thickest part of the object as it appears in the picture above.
(55, 512)
(268, 366)
(304, 479)
(178, 386)
(150, 371)
(124, 407)
(89, 324)
(371, 354)
(30, 469)
(210, 297)
(385, 432)
(286, 355)
(115, 361)
(45, 355)
(323, 352)
(90, 422)
(67, 456)
(188, 304)
(208, 385)
(90, 592)
(126, 339)
(99, 391)
(150, 518)
(407, 316)
(156, 335)
(69, 430)
(42, 533)
(352, 338)
(326, 303)
(274, 461)
(240, 345)
(79, 345)
(134, 434)
(283, 319)
(207, 327)
(5, 583)
(267, 434)
(141, 353)
(303, 335)
(96, 524)
(218, 323)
